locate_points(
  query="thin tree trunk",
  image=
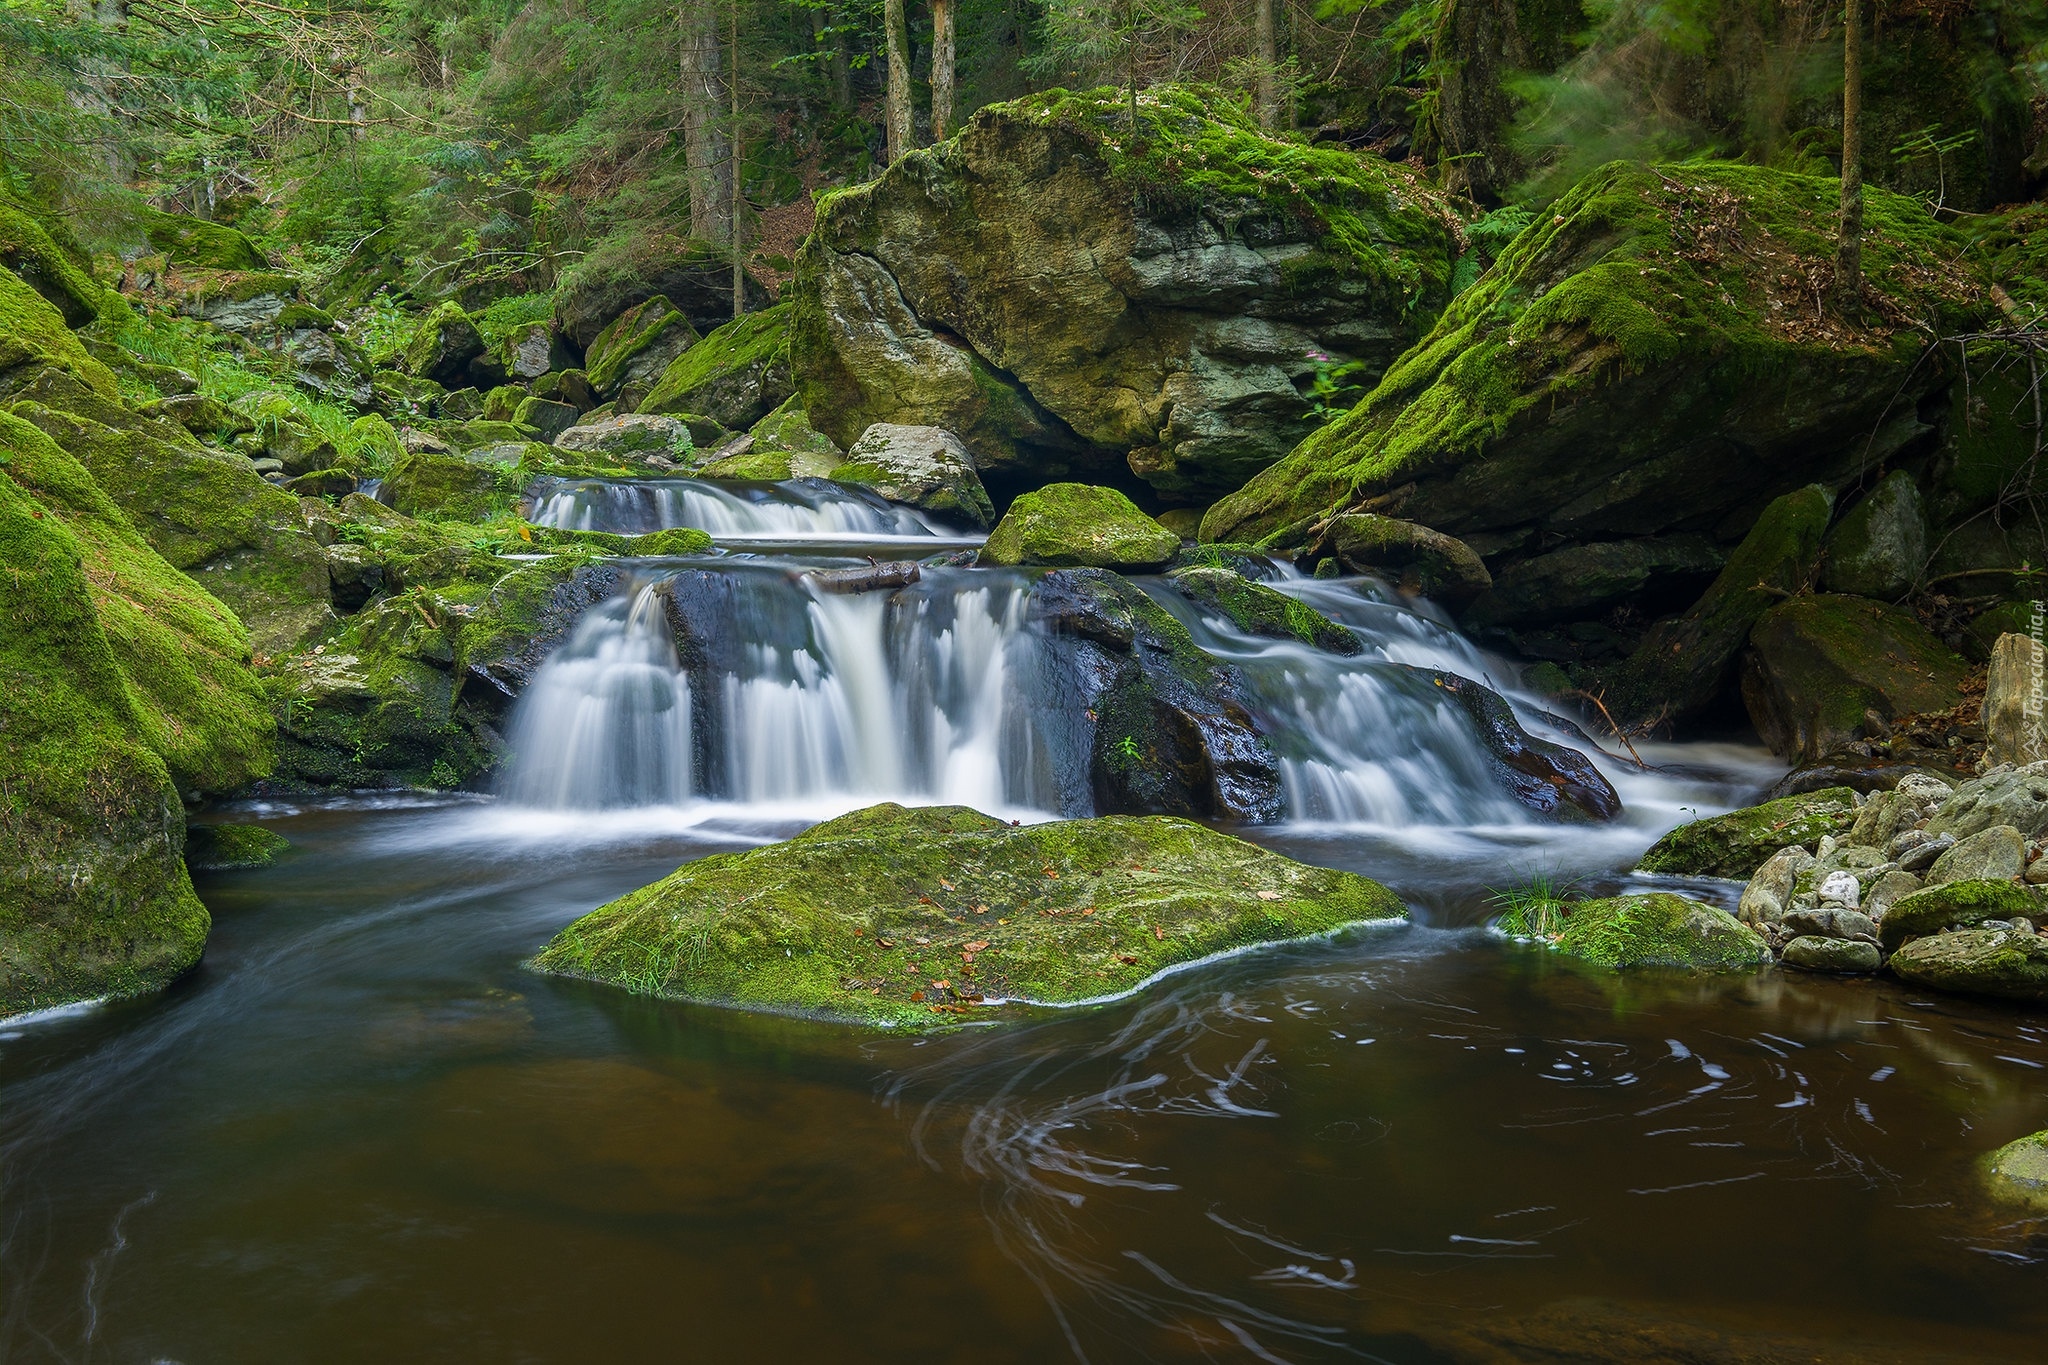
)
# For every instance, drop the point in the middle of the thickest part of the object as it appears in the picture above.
(1131, 63)
(838, 76)
(942, 69)
(739, 269)
(358, 103)
(1266, 53)
(902, 133)
(705, 148)
(1849, 251)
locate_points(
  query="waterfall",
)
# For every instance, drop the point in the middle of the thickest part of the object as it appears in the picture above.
(800, 509)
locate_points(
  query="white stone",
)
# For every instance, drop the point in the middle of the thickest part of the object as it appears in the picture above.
(1841, 888)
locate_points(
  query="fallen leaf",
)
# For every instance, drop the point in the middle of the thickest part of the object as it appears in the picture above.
(1271, 896)
(1158, 933)
(981, 909)
(943, 882)
(977, 946)
(1089, 911)
(1128, 961)
(885, 942)
(942, 985)
(917, 997)
(1052, 874)
(859, 933)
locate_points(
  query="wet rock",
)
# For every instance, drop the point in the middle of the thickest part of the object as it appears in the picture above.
(1548, 778)
(1415, 558)
(1879, 547)
(1582, 581)
(1769, 893)
(924, 467)
(2017, 1173)
(2016, 701)
(1257, 609)
(443, 345)
(1246, 561)
(1887, 890)
(838, 922)
(2000, 963)
(1839, 955)
(1737, 844)
(1940, 908)
(1924, 851)
(2003, 796)
(1997, 854)
(1076, 524)
(1831, 922)
(638, 346)
(547, 417)
(217, 848)
(1825, 670)
(635, 433)
(1172, 734)
(1660, 930)
(900, 573)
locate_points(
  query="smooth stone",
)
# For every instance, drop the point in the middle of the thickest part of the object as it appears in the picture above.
(1841, 888)
(1998, 854)
(1923, 855)
(1770, 890)
(1945, 907)
(2013, 710)
(2018, 1172)
(2003, 796)
(1827, 922)
(1847, 956)
(1992, 962)
(1887, 890)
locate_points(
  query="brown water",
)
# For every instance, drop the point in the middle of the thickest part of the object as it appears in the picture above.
(361, 1132)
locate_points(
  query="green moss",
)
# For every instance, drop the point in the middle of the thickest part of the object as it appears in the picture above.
(2017, 1173)
(1952, 905)
(33, 335)
(443, 344)
(736, 375)
(1072, 525)
(1659, 930)
(213, 848)
(1641, 277)
(26, 249)
(1257, 609)
(473, 485)
(1736, 844)
(246, 288)
(298, 316)
(1823, 662)
(652, 327)
(196, 242)
(371, 445)
(2002, 963)
(913, 917)
(679, 540)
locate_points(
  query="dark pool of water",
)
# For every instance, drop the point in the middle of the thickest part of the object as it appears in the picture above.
(361, 1132)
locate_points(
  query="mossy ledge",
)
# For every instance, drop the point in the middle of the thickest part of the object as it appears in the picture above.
(914, 918)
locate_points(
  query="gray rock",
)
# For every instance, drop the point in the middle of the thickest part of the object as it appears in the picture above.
(1925, 788)
(924, 467)
(1844, 956)
(1879, 546)
(632, 434)
(1883, 817)
(1831, 922)
(535, 350)
(1922, 855)
(2015, 689)
(1990, 962)
(1904, 842)
(1891, 887)
(1997, 854)
(1841, 888)
(1769, 892)
(2003, 796)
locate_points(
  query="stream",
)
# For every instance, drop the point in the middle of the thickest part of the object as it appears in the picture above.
(361, 1131)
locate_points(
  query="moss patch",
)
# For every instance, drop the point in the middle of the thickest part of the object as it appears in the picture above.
(197, 242)
(1952, 905)
(33, 337)
(27, 250)
(736, 375)
(915, 917)
(1735, 845)
(1257, 609)
(1077, 525)
(216, 848)
(1659, 930)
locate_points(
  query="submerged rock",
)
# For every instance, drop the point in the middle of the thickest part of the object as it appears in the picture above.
(215, 848)
(915, 917)
(1257, 609)
(1548, 778)
(2004, 964)
(1074, 525)
(1739, 843)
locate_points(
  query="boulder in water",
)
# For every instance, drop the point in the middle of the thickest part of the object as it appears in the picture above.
(1073, 525)
(1257, 609)
(1659, 930)
(1548, 778)
(1824, 670)
(924, 467)
(1738, 844)
(1070, 297)
(2004, 964)
(736, 375)
(1951, 906)
(218, 848)
(1838, 956)
(912, 918)
(2017, 1173)
(1171, 734)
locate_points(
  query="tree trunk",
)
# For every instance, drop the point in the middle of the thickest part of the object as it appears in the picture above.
(1849, 251)
(358, 103)
(739, 268)
(705, 148)
(902, 134)
(838, 76)
(942, 69)
(1266, 53)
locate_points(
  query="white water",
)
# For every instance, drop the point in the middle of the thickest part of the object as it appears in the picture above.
(801, 509)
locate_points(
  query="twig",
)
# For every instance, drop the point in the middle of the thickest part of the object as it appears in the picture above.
(1613, 725)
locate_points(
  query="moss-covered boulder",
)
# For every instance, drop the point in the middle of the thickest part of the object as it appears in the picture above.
(1643, 359)
(219, 848)
(468, 485)
(782, 445)
(638, 345)
(1657, 930)
(2002, 964)
(205, 417)
(548, 418)
(1879, 548)
(1823, 670)
(1959, 904)
(443, 345)
(206, 511)
(33, 338)
(1417, 559)
(1068, 297)
(914, 918)
(618, 274)
(924, 467)
(736, 375)
(532, 350)
(1684, 663)
(27, 250)
(196, 242)
(2017, 1173)
(1171, 733)
(247, 304)
(632, 436)
(1076, 524)
(1735, 845)
(1257, 609)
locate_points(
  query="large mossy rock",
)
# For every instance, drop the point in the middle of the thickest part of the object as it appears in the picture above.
(1683, 664)
(638, 346)
(197, 242)
(1954, 905)
(736, 375)
(1067, 297)
(1257, 609)
(1171, 733)
(1582, 581)
(911, 917)
(469, 485)
(206, 511)
(2017, 1173)
(33, 338)
(1415, 558)
(28, 250)
(923, 467)
(443, 345)
(1823, 670)
(1659, 930)
(1735, 845)
(1076, 525)
(695, 276)
(1879, 548)
(1644, 359)
(2003, 964)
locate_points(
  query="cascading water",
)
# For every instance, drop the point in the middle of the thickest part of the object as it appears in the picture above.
(800, 509)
